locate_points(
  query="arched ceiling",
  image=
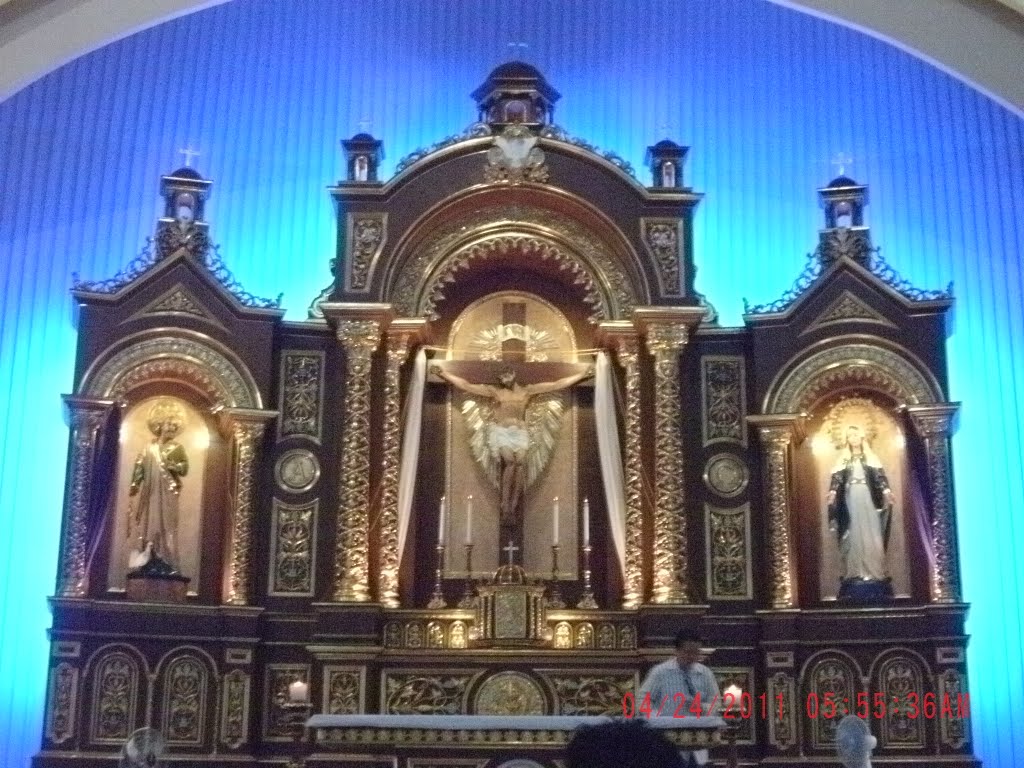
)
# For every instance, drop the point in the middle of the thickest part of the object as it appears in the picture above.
(979, 41)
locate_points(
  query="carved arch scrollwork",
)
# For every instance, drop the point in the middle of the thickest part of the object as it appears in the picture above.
(188, 357)
(187, 675)
(901, 676)
(418, 281)
(864, 361)
(830, 681)
(116, 675)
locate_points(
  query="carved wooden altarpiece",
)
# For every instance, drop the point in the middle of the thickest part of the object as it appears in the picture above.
(296, 571)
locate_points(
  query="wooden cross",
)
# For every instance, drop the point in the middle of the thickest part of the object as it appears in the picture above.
(510, 549)
(189, 153)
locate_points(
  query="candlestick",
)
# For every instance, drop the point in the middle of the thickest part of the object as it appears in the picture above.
(440, 522)
(586, 522)
(554, 522)
(555, 597)
(587, 600)
(468, 598)
(437, 598)
(469, 519)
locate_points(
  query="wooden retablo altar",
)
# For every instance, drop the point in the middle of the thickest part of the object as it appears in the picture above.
(511, 325)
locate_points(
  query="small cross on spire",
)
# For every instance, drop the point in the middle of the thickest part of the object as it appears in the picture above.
(841, 160)
(364, 125)
(510, 549)
(518, 50)
(189, 153)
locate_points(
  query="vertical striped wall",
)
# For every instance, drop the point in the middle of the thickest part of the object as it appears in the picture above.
(264, 89)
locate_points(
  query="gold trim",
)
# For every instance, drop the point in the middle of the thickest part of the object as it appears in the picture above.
(62, 703)
(236, 692)
(720, 550)
(366, 234)
(298, 548)
(329, 704)
(287, 386)
(665, 243)
(300, 453)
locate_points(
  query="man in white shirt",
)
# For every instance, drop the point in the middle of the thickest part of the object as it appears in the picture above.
(681, 687)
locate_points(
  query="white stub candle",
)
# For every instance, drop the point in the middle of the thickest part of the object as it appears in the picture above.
(298, 692)
(586, 522)
(554, 522)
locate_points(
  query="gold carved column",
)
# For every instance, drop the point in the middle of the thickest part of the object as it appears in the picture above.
(402, 333)
(933, 424)
(358, 328)
(245, 428)
(777, 432)
(86, 418)
(667, 330)
(622, 337)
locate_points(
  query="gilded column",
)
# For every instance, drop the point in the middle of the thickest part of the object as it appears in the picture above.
(86, 417)
(933, 424)
(776, 432)
(623, 339)
(360, 338)
(667, 331)
(245, 428)
(401, 334)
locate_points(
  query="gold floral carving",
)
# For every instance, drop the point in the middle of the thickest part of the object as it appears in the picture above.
(954, 732)
(425, 694)
(184, 701)
(87, 418)
(663, 239)
(367, 235)
(246, 429)
(115, 689)
(901, 679)
(591, 694)
(510, 694)
(775, 442)
(782, 730)
(234, 730)
(301, 405)
(177, 301)
(724, 399)
(627, 350)
(179, 358)
(728, 552)
(293, 548)
(665, 342)
(343, 690)
(62, 696)
(933, 424)
(360, 339)
(847, 308)
(418, 281)
(387, 580)
(830, 678)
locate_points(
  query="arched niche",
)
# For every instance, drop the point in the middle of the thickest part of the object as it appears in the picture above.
(863, 382)
(192, 376)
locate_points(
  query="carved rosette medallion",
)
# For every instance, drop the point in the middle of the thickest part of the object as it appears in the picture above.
(728, 553)
(723, 395)
(933, 424)
(591, 694)
(246, 429)
(293, 548)
(433, 693)
(782, 730)
(184, 701)
(297, 470)
(954, 732)
(900, 679)
(343, 690)
(776, 435)
(234, 731)
(367, 235)
(301, 404)
(62, 695)
(726, 475)
(87, 418)
(663, 240)
(115, 689)
(510, 694)
(665, 342)
(360, 339)
(387, 580)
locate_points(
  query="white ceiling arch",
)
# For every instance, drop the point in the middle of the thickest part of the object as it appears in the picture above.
(978, 41)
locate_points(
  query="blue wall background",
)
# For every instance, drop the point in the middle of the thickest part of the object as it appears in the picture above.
(264, 89)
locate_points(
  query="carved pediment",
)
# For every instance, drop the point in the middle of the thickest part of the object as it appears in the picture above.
(848, 308)
(176, 301)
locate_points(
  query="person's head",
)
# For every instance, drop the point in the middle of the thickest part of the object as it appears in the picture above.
(165, 419)
(687, 647)
(855, 439)
(621, 744)
(507, 378)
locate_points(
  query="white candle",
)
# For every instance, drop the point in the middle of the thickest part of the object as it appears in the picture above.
(469, 519)
(440, 522)
(298, 692)
(554, 522)
(586, 522)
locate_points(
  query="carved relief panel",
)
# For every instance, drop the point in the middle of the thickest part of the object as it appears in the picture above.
(115, 698)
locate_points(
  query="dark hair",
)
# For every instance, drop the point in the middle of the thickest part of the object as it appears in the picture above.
(684, 636)
(621, 744)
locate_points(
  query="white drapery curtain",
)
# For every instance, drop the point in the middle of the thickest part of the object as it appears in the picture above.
(610, 455)
(410, 447)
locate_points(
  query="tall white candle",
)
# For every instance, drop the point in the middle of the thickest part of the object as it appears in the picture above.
(469, 519)
(586, 522)
(440, 522)
(554, 522)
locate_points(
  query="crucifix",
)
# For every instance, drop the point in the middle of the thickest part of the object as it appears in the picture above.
(189, 153)
(507, 387)
(510, 549)
(842, 160)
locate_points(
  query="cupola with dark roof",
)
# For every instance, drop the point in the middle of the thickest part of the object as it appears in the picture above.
(516, 92)
(363, 154)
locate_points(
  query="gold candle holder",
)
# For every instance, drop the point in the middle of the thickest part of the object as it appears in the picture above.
(468, 597)
(437, 599)
(587, 601)
(555, 594)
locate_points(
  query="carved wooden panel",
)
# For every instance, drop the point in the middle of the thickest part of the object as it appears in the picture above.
(742, 712)
(782, 721)
(183, 710)
(115, 694)
(344, 690)
(302, 389)
(599, 693)
(278, 723)
(899, 676)
(723, 399)
(426, 692)
(727, 551)
(829, 679)
(234, 719)
(293, 548)
(62, 697)
(954, 732)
